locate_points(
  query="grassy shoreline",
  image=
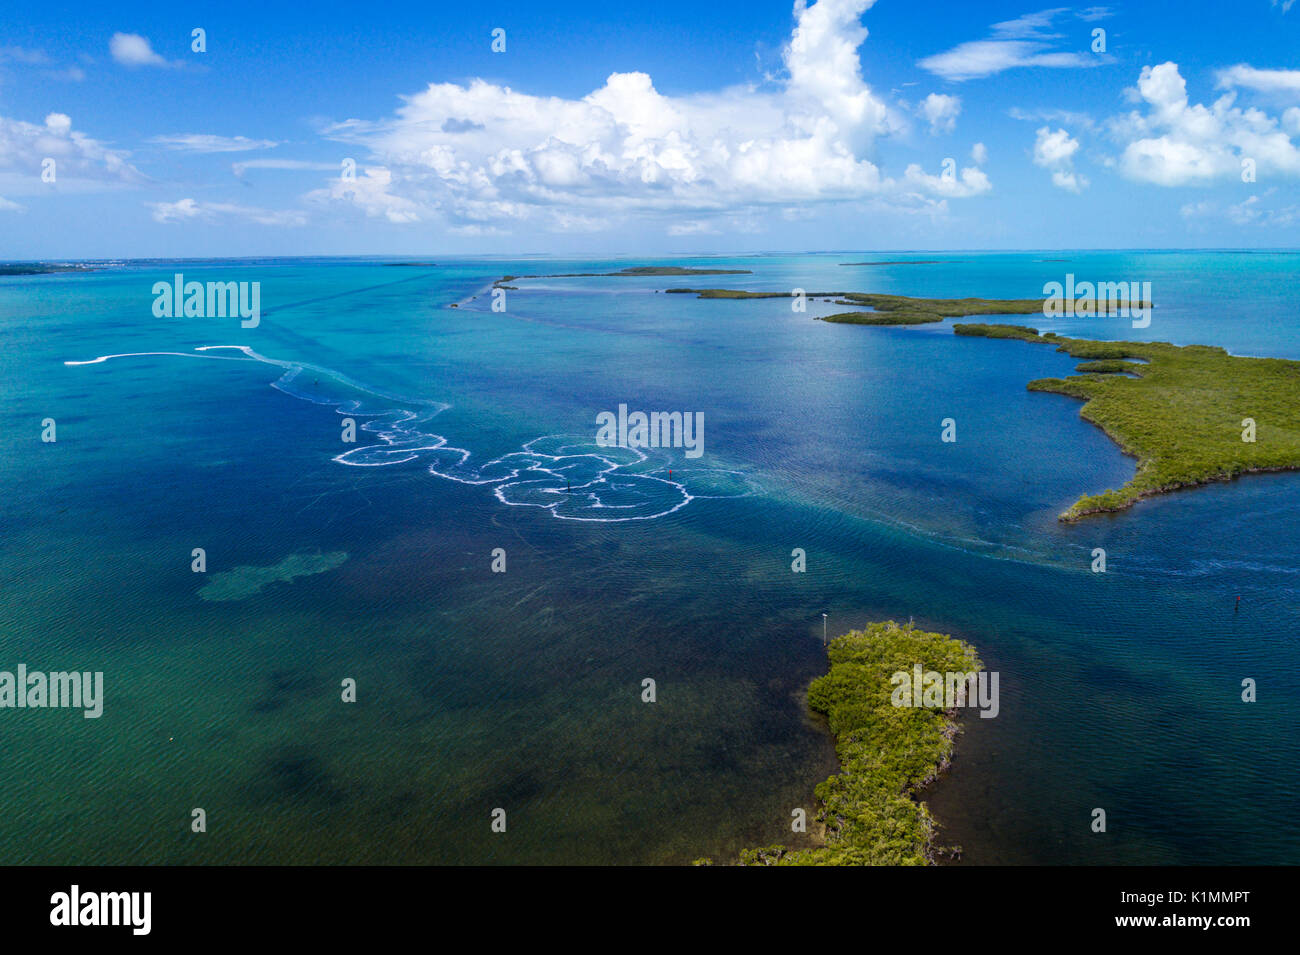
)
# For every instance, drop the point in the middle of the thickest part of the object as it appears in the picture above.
(886, 309)
(897, 309)
(1181, 411)
(888, 754)
(1190, 415)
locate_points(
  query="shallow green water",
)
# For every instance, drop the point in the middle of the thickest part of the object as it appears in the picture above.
(522, 690)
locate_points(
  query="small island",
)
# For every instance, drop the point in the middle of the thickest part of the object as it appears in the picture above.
(636, 271)
(888, 309)
(41, 268)
(1190, 414)
(887, 753)
(902, 310)
(675, 270)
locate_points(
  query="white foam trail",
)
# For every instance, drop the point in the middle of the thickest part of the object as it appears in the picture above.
(595, 479)
(177, 354)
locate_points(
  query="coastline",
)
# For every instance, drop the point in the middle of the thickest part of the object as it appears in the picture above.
(871, 813)
(1163, 404)
(1187, 413)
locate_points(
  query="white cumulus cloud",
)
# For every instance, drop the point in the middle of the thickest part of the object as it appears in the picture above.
(372, 192)
(971, 182)
(1055, 150)
(1265, 81)
(131, 49)
(941, 112)
(1176, 142)
(482, 153)
(79, 160)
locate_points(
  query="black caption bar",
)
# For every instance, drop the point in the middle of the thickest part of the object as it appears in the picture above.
(169, 905)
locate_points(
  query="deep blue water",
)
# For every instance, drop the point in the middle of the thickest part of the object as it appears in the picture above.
(522, 690)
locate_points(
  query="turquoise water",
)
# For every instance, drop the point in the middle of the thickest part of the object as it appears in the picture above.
(522, 690)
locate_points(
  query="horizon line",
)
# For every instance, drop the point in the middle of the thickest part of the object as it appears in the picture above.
(606, 256)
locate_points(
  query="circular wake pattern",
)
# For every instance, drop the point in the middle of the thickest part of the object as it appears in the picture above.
(571, 476)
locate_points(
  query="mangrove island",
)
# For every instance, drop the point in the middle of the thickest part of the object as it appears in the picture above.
(1190, 414)
(887, 753)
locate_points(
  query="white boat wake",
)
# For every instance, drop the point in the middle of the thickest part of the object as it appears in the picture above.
(570, 476)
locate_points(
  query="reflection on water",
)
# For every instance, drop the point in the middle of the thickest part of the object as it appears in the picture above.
(521, 690)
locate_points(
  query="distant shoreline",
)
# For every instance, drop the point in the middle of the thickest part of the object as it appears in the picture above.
(42, 268)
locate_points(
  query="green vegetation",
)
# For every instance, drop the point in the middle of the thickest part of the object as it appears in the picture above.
(1019, 332)
(1182, 413)
(901, 310)
(40, 268)
(895, 309)
(890, 309)
(881, 318)
(887, 753)
(675, 270)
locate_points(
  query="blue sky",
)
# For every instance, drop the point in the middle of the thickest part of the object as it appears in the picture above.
(646, 128)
